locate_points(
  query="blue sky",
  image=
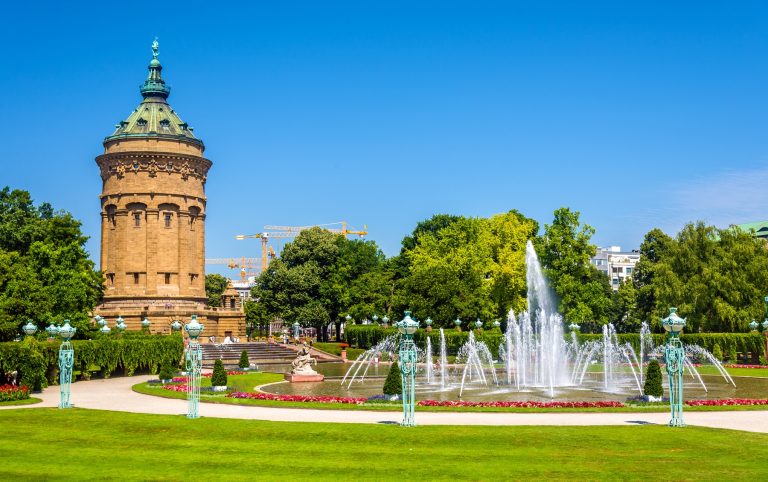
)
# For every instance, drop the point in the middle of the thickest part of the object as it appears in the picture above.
(638, 115)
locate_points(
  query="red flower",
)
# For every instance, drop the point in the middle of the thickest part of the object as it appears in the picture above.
(727, 402)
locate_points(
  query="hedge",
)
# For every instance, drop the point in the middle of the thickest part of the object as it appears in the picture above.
(37, 362)
(366, 336)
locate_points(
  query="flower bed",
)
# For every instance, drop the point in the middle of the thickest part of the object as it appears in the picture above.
(10, 393)
(727, 402)
(744, 366)
(458, 403)
(297, 398)
(231, 372)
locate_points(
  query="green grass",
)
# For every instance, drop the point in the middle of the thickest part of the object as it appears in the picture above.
(28, 401)
(165, 447)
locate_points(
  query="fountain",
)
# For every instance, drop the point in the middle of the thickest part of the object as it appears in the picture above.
(536, 355)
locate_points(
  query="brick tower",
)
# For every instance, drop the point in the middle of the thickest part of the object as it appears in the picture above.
(153, 218)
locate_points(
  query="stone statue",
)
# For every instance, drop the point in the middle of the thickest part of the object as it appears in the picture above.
(155, 48)
(302, 364)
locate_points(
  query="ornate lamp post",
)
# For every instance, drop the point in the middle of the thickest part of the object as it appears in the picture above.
(497, 323)
(296, 327)
(385, 320)
(176, 325)
(145, 324)
(348, 318)
(428, 322)
(194, 364)
(66, 361)
(100, 320)
(457, 322)
(478, 324)
(105, 329)
(29, 329)
(674, 356)
(121, 326)
(753, 325)
(574, 327)
(407, 327)
(375, 318)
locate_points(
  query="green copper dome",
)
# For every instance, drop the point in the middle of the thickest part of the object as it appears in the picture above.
(154, 117)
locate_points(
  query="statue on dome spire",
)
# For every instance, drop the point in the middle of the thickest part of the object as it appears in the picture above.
(155, 48)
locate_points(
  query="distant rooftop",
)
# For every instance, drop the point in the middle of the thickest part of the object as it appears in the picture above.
(760, 228)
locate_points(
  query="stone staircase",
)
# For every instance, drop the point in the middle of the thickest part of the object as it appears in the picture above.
(258, 352)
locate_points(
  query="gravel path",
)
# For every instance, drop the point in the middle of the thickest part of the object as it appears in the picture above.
(116, 394)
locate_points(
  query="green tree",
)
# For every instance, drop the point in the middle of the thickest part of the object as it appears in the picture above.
(393, 384)
(45, 273)
(215, 285)
(565, 250)
(624, 314)
(653, 381)
(219, 375)
(244, 361)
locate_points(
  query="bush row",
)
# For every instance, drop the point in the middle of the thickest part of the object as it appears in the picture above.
(37, 362)
(366, 336)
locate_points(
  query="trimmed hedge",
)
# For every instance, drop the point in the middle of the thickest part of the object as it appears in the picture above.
(365, 336)
(37, 363)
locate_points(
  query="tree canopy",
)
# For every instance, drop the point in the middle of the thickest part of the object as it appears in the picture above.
(45, 272)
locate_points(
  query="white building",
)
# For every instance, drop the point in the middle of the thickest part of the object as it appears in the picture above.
(615, 263)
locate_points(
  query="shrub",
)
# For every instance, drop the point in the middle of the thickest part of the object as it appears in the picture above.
(244, 361)
(393, 385)
(717, 352)
(653, 382)
(219, 377)
(167, 372)
(732, 357)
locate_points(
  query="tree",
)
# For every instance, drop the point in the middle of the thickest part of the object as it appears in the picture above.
(45, 272)
(653, 381)
(564, 250)
(393, 385)
(219, 375)
(244, 361)
(624, 312)
(715, 277)
(467, 268)
(215, 285)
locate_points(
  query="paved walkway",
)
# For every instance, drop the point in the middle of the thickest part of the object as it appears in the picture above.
(116, 394)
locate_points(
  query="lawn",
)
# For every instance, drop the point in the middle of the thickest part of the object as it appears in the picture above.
(27, 401)
(122, 446)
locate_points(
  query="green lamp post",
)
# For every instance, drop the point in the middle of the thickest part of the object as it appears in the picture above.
(296, 327)
(121, 326)
(29, 329)
(66, 361)
(574, 327)
(194, 365)
(753, 325)
(407, 327)
(375, 318)
(145, 324)
(105, 329)
(176, 325)
(674, 356)
(457, 322)
(478, 324)
(497, 323)
(385, 320)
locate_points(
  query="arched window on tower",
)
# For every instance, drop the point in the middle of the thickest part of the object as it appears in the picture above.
(111, 209)
(194, 213)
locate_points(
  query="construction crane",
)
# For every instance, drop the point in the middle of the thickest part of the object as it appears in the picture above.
(267, 251)
(242, 263)
(278, 232)
(344, 229)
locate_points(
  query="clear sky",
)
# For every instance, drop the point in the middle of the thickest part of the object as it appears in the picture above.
(636, 114)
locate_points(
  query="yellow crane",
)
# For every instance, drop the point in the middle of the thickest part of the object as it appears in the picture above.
(242, 263)
(278, 232)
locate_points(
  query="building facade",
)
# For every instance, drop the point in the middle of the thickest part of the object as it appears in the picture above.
(616, 264)
(153, 211)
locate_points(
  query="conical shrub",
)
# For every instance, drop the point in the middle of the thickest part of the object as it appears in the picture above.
(219, 376)
(653, 381)
(393, 385)
(244, 361)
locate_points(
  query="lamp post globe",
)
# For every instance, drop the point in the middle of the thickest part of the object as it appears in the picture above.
(176, 325)
(145, 323)
(30, 328)
(478, 324)
(574, 327)
(765, 325)
(385, 320)
(66, 332)
(121, 326)
(753, 325)
(375, 318)
(428, 321)
(100, 320)
(348, 318)
(496, 323)
(457, 322)
(105, 329)
(52, 330)
(194, 328)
